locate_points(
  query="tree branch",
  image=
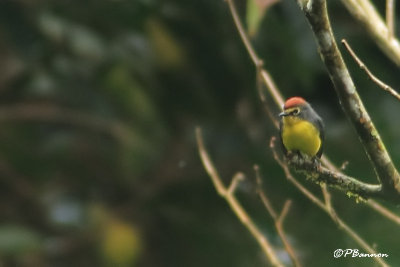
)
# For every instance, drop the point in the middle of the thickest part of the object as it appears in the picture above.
(371, 76)
(269, 82)
(274, 91)
(316, 13)
(384, 211)
(278, 219)
(390, 18)
(366, 14)
(338, 180)
(228, 195)
(326, 207)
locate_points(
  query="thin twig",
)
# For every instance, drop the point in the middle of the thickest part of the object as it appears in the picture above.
(390, 21)
(262, 96)
(384, 211)
(228, 195)
(260, 192)
(237, 178)
(284, 211)
(278, 219)
(276, 95)
(373, 78)
(281, 233)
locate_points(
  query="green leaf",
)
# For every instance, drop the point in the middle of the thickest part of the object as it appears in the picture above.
(256, 10)
(17, 239)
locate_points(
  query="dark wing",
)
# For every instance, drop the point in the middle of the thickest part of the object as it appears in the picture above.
(310, 114)
(280, 138)
(320, 125)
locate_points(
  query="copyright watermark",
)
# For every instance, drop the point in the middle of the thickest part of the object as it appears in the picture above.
(354, 253)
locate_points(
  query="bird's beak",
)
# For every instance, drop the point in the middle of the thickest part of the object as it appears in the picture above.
(283, 114)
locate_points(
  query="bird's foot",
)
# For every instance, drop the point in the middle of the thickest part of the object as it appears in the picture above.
(316, 164)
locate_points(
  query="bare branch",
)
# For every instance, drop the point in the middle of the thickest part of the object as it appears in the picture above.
(278, 219)
(369, 18)
(316, 13)
(276, 95)
(260, 192)
(228, 195)
(284, 211)
(262, 96)
(281, 233)
(390, 20)
(384, 211)
(234, 183)
(373, 78)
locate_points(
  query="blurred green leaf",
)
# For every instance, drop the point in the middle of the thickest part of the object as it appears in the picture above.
(169, 53)
(17, 239)
(256, 10)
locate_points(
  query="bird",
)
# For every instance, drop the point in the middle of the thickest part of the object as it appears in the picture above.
(301, 129)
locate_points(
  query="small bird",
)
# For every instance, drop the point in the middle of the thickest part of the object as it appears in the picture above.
(301, 129)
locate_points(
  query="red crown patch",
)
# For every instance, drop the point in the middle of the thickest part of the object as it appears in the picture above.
(294, 101)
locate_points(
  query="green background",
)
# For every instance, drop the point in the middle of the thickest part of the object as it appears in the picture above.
(99, 101)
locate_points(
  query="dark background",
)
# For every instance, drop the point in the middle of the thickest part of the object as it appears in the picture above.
(98, 161)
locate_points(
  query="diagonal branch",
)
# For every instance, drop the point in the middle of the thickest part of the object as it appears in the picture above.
(317, 16)
(237, 208)
(384, 211)
(276, 95)
(278, 219)
(369, 18)
(371, 76)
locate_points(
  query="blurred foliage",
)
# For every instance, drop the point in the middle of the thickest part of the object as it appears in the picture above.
(99, 100)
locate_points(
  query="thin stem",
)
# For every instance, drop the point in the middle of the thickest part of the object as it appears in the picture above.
(281, 233)
(373, 78)
(284, 211)
(253, 55)
(228, 195)
(262, 96)
(384, 211)
(237, 178)
(264, 199)
(278, 219)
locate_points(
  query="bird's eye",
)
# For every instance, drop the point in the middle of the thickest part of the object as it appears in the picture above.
(296, 111)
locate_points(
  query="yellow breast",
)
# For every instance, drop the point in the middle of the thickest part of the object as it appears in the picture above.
(298, 134)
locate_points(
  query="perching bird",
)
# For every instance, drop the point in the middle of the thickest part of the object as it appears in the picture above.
(301, 129)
